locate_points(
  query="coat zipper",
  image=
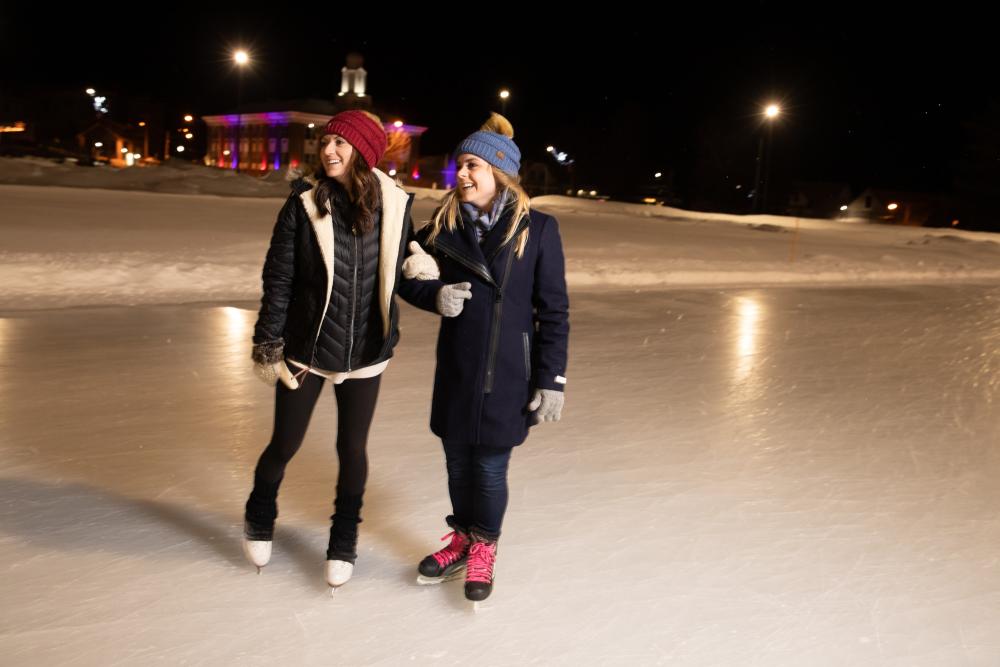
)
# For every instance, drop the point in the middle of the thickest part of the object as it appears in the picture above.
(527, 356)
(495, 334)
(354, 301)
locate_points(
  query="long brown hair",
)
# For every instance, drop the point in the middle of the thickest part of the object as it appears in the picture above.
(358, 201)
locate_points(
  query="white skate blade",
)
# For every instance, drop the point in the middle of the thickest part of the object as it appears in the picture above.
(432, 581)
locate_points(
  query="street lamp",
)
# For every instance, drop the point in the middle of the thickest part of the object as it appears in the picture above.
(242, 59)
(563, 159)
(504, 95)
(771, 112)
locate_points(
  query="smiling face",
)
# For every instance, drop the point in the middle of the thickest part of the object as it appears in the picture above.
(336, 155)
(476, 183)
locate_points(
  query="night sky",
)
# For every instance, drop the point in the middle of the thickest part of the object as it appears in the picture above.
(868, 101)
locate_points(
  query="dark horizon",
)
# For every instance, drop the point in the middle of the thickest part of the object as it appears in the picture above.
(624, 99)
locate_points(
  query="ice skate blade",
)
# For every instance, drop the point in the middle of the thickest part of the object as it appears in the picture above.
(433, 581)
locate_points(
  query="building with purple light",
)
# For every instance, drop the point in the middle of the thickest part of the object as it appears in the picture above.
(281, 135)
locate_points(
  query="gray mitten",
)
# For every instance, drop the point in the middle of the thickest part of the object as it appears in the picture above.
(451, 298)
(420, 265)
(548, 403)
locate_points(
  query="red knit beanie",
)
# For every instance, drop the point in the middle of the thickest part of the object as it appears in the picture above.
(363, 133)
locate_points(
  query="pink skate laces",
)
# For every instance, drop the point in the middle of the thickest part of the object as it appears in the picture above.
(479, 567)
(454, 550)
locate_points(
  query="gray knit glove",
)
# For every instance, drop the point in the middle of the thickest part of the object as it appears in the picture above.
(548, 403)
(451, 298)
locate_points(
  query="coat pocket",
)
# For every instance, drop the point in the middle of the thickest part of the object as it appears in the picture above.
(527, 355)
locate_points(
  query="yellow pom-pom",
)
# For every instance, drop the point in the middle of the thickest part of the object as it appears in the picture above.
(499, 124)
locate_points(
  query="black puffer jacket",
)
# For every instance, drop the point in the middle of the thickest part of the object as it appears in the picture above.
(351, 335)
(300, 306)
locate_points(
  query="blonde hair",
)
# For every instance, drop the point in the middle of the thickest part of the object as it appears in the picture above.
(448, 215)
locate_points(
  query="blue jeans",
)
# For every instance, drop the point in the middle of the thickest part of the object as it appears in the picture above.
(477, 484)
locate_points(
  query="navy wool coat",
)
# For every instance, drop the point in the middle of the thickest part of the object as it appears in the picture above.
(511, 336)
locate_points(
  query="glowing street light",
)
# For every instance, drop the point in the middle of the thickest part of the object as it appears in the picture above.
(771, 112)
(180, 149)
(242, 59)
(504, 96)
(188, 118)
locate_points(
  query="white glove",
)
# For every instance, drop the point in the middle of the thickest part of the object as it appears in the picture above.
(451, 298)
(269, 364)
(271, 373)
(548, 403)
(420, 265)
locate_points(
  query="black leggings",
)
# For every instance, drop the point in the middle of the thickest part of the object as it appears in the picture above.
(292, 411)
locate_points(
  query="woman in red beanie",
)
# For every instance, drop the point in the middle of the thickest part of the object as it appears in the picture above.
(328, 312)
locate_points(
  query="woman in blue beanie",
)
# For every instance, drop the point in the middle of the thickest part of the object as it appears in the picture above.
(494, 269)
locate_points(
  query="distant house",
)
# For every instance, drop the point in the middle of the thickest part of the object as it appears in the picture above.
(896, 207)
(279, 135)
(817, 199)
(114, 143)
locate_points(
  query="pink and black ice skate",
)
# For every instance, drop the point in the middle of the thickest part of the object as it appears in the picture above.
(479, 567)
(448, 562)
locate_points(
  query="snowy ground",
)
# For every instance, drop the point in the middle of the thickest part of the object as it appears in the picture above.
(128, 243)
(744, 475)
